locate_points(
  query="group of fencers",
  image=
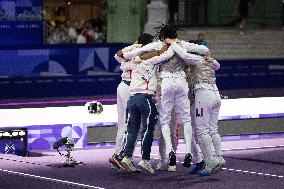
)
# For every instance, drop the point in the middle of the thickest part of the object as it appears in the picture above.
(182, 77)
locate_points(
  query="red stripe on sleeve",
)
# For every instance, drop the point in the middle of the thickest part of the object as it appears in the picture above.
(130, 73)
(147, 85)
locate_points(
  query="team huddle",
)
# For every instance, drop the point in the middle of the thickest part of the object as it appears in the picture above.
(182, 76)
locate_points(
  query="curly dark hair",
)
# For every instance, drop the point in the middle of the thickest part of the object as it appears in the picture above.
(166, 31)
(145, 39)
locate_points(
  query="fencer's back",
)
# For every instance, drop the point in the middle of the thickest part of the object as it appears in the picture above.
(189, 80)
(175, 65)
(203, 73)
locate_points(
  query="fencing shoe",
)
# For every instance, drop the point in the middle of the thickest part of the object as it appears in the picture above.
(162, 166)
(172, 162)
(210, 168)
(115, 161)
(221, 164)
(145, 164)
(198, 168)
(187, 160)
(221, 160)
(127, 164)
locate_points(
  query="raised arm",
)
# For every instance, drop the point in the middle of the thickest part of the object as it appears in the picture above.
(151, 54)
(119, 55)
(147, 48)
(191, 47)
(161, 58)
(149, 66)
(131, 47)
(215, 65)
(183, 54)
(118, 58)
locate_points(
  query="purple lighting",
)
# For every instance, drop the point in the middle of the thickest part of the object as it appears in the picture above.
(56, 102)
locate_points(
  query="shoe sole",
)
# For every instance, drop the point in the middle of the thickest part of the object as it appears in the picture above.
(196, 170)
(172, 169)
(115, 163)
(126, 167)
(205, 174)
(161, 169)
(218, 168)
(137, 171)
(186, 165)
(140, 164)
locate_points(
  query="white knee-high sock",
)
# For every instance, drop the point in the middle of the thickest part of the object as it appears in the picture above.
(187, 136)
(206, 147)
(216, 140)
(166, 131)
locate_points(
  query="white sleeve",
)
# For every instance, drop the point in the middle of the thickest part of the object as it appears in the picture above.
(125, 66)
(147, 48)
(163, 57)
(191, 47)
(215, 65)
(118, 59)
(130, 48)
(124, 50)
(187, 57)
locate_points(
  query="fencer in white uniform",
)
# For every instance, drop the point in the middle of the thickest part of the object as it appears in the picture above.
(207, 106)
(123, 95)
(195, 149)
(174, 90)
(199, 162)
(174, 95)
(162, 165)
